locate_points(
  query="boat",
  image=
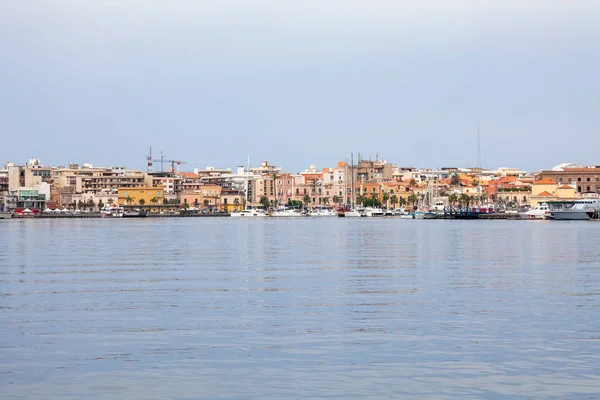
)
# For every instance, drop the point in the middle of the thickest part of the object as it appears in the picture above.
(352, 213)
(287, 213)
(134, 214)
(430, 215)
(373, 212)
(576, 210)
(5, 215)
(322, 212)
(112, 211)
(400, 212)
(249, 213)
(540, 211)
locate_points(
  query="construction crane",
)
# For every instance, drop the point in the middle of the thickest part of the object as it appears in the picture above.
(173, 163)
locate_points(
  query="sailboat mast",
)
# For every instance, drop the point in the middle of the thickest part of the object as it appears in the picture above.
(352, 174)
(247, 181)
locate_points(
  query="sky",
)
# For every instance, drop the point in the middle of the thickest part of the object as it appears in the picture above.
(297, 83)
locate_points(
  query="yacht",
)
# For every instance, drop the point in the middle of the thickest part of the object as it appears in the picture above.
(5, 215)
(352, 213)
(540, 211)
(430, 215)
(583, 209)
(373, 212)
(399, 212)
(250, 212)
(322, 212)
(112, 211)
(287, 213)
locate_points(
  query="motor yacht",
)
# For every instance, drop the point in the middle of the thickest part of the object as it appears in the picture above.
(250, 212)
(540, 211)
(373, 212)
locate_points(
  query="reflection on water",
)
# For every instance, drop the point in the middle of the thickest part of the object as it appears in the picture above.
(308, 308)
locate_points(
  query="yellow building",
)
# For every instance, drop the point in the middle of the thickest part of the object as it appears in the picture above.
(542, 191)
(208, 196)
(141, 195)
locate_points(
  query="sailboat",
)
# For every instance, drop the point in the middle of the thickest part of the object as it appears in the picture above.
(249, 212)
(352, 212)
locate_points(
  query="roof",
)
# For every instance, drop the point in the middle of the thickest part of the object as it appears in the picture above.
(566, 187)
(544, 181)
(545, 194)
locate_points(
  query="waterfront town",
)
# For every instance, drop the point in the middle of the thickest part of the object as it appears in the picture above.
(164, 188)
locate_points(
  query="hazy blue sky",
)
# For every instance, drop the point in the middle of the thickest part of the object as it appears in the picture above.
(301, 82)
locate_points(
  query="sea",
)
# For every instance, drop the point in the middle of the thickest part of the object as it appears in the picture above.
(307, 308)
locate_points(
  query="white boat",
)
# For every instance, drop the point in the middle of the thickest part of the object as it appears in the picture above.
(249, 213)
(352, 213)
(322, 212)
(287, 213)
(112, 211)
(578, 210)
(540, 211)
(373, 212)
(5, 215)
(399, 212)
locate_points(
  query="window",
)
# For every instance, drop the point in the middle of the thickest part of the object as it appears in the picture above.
(570, 180)
(579, 189)
(578, 179)
(124, 194)
(588, 188)
(588, 179)
(158, 194)
(560, 179)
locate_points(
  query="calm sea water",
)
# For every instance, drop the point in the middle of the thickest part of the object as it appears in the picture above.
(309, 308)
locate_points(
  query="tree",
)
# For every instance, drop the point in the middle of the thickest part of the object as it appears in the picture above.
(153, 200)
(453, 198)
(196, 203)
(129, 199)
(412, 183)
(413, 199)
(336, 199)
(306, 199)
(236, 203)
(275, 176)
(394, 200)
(264, 200)
(142, 202)
(100, 204)
(185, 205)
(402, 202)
(454, 180)
(360, 199)
(80, 204)
(91, 203)
(386, 197)
(465, 199)
(326, 200)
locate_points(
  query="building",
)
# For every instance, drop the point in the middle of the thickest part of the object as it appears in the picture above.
(140, 195)
(586, 180)
(33, 198)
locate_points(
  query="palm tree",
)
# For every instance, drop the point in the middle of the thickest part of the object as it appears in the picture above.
(306, 199)
(142, 202)
(326, 200)
(100, 204)
(336, 199)
(412, 199)
(275, 176)
(129, 199)
(185, 205)
(453, 198)
(465, 199)
(386, 197)
(236, 203)
(153, 200)
(265, 201)
(412, 183)
(394, 200)
(402, 201)
(360, 199)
